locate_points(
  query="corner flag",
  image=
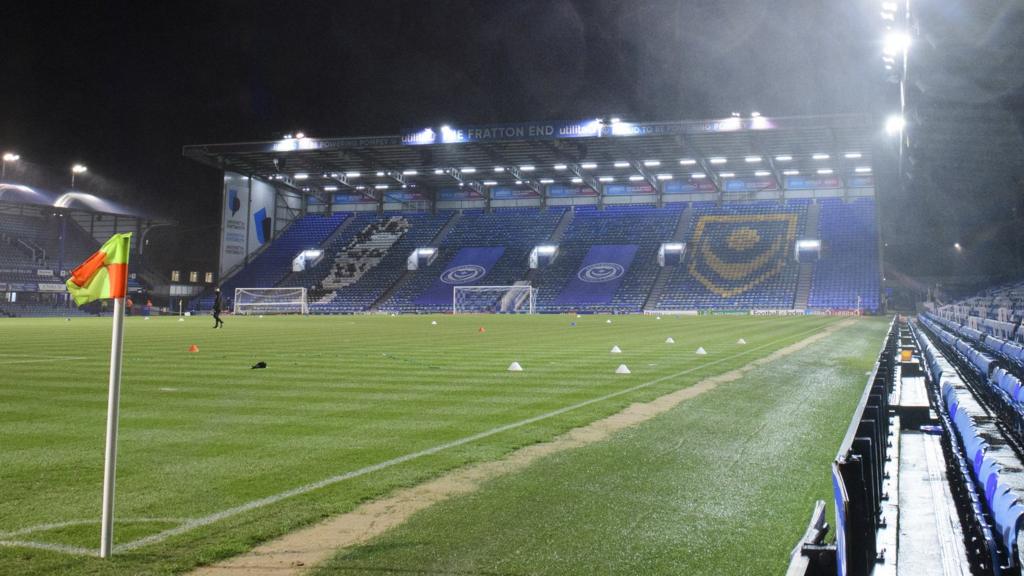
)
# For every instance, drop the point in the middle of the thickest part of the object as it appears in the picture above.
(104, 275)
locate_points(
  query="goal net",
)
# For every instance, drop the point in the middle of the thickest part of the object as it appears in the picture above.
(516, 299)
(271, 301)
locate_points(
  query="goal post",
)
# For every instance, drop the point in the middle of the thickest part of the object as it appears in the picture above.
(515, 299)
(271, 301)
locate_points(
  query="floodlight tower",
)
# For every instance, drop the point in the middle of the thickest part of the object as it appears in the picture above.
(8, 157)
(75, 170)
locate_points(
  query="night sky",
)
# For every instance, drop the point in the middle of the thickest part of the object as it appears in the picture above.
(122, 86)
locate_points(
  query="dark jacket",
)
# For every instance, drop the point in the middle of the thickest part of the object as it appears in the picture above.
(218, 303)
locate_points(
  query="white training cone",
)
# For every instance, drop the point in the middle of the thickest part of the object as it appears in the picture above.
(616, 350)
(515, 367)
(578, 316)
(433, 322)
(701, 351)
(657, 317)
(741, 341)
(669, 340)
(145, 317)
(622, 369)
(181, 319)
(608, 321)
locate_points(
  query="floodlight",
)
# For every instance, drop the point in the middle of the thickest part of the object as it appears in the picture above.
(518, 182)
(894, 124)
(889, 6)
(664, 176)
(588, 165)
(862, 169)
(698, 175)
(808, 244)
(380, 173)
(11, 157)
(300, 135)
(330, 188)
(381, 186)
(727, 174)
(762, 173)
(79, 169)
(821, 156)
(783, 158)
(621, 164)
(499, 169)
(790, 172)
(652, 163)
(528, 168)
(896, 43)
(852, 155)
(438, 171)
(409, 172)
(825, 171)
(752, 159)
(718, 160)
(577, 180)
(468, 170)
(687, 162)
(301, 176)
(546, 181)
(352, 174)
(957, 246)
(635, 178)
(607, 179)
(560, 166)
(490, 183)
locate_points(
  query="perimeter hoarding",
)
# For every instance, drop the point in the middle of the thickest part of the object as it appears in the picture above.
(247, 219)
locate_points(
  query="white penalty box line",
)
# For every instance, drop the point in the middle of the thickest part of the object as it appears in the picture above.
(196, 523)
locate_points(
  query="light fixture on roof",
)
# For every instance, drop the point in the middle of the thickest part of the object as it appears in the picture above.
(752, 159)
(577, 180)
(499, 169)
(621, 164)
(824, 171)
(468, 170)
(330, 188)
(862, 169)
(560, 166)
(820, 156)
(635, 178)
(409, 172)
(790, 172)
(588, 165)
(852, 155)
(352, 174)
(735, 114)
(889, 6)
(783, 158)
(755, 114)
(615, 120)
(381, 186)
(438, 171)
(360, 187)
(11, 157)
(957, 246)
(300, 135)
(518, 182)
(546, 181)
(762, 173)
(687, 162)
(528, 168)
(301, 176)
(380, 173)
(727, 174)
(664, 176)
(718, 160)
(652, 163)
(606, 179)
(698, 175)
(490, 183)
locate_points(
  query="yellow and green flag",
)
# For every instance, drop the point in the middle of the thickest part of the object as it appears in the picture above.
(104, 275)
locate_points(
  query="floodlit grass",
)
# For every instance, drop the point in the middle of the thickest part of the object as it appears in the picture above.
(722, 484)
(202, 433)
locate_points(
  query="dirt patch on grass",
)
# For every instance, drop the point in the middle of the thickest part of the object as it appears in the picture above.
(298, 551)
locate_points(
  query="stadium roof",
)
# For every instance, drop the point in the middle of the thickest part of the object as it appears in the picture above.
(590, 152)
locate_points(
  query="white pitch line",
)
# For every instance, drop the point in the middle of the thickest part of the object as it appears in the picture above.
(4, 362)
(305, 489)
(69, 523)
(76, 550)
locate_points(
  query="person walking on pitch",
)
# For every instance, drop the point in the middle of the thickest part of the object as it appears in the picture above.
(218, 305)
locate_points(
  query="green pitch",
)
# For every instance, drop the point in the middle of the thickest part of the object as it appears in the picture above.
(215, 457)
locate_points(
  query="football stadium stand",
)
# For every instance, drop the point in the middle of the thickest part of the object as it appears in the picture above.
(740, 256)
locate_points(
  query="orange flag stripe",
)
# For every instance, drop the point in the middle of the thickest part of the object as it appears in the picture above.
(81, 275)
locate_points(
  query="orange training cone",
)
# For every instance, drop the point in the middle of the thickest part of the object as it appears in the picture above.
(481, 330)
(193, 348)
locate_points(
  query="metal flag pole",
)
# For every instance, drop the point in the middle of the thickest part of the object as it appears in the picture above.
(110, 454)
